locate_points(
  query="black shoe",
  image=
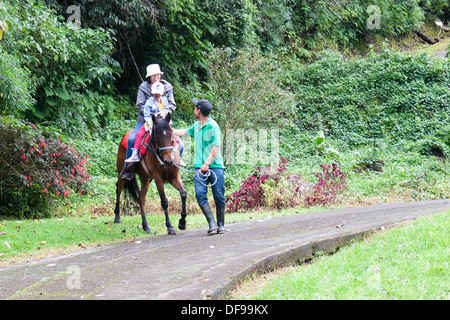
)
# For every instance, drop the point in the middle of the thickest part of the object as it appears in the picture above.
(220, 212)
(206, 209)
(126, 175)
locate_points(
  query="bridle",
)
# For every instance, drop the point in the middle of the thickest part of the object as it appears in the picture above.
(154, 148)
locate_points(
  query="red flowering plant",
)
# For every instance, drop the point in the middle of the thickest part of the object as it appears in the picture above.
(329, 187)
(266, 187)
(37, 169)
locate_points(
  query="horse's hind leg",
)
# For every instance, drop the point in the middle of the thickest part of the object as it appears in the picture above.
(144, 189)
(119, 188)
(121, 153)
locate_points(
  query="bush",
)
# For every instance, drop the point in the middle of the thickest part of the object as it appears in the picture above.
(272, 188)
(329, 187)
(390, 95)
(249, 196)
(285, 191)
(38, 170)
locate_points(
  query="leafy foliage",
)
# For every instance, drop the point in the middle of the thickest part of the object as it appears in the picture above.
(257, 61)
(71, 64)
(249, 196)
(326, 23)
(16, 90)
(390, 95)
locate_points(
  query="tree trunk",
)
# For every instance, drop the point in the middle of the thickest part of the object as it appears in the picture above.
(426, 38)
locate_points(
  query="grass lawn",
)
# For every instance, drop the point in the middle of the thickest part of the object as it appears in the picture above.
(410, 262)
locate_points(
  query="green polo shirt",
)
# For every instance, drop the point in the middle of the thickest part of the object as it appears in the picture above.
(206, 136)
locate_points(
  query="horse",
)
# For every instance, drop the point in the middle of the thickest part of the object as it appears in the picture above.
(157, 164)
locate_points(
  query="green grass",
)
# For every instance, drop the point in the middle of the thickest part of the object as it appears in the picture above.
(410, 262)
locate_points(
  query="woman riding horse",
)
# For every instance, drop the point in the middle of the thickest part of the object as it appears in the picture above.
(144, 92)
(157, 164)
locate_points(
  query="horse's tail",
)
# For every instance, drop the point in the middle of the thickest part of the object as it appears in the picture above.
(131, 188)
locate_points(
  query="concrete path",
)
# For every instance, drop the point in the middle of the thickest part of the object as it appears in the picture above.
(193, 266)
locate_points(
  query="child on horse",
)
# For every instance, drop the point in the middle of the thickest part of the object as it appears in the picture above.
(153, 105)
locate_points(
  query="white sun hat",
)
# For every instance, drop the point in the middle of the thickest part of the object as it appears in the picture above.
(153, 69)
(158, 88)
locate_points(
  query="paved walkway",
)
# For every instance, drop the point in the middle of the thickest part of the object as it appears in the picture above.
(193, 266)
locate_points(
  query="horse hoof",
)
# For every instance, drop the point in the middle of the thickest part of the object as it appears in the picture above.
(182, 226)
(147, 230)
(171, 231)
(117, 221)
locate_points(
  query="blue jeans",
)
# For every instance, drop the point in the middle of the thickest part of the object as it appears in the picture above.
(181, 147)
(131, 139)
(218, 189)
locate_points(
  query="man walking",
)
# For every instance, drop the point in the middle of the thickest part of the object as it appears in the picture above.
(208, 161)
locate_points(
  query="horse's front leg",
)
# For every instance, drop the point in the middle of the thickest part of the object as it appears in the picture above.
(119, 187)
(182, 222)
(144, 189)
(164, 204)
(178, 184)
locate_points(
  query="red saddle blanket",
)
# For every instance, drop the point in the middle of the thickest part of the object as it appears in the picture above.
(143, 144)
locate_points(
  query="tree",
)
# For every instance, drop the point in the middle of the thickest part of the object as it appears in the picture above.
(246, 90)
(70, 65)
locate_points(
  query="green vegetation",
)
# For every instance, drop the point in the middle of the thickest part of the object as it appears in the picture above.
(313, 70)
(410, 262)
(71, 68)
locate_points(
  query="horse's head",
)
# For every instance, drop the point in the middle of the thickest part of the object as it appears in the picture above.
(163, 139)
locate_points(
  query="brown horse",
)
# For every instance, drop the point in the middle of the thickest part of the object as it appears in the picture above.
(157, 164)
